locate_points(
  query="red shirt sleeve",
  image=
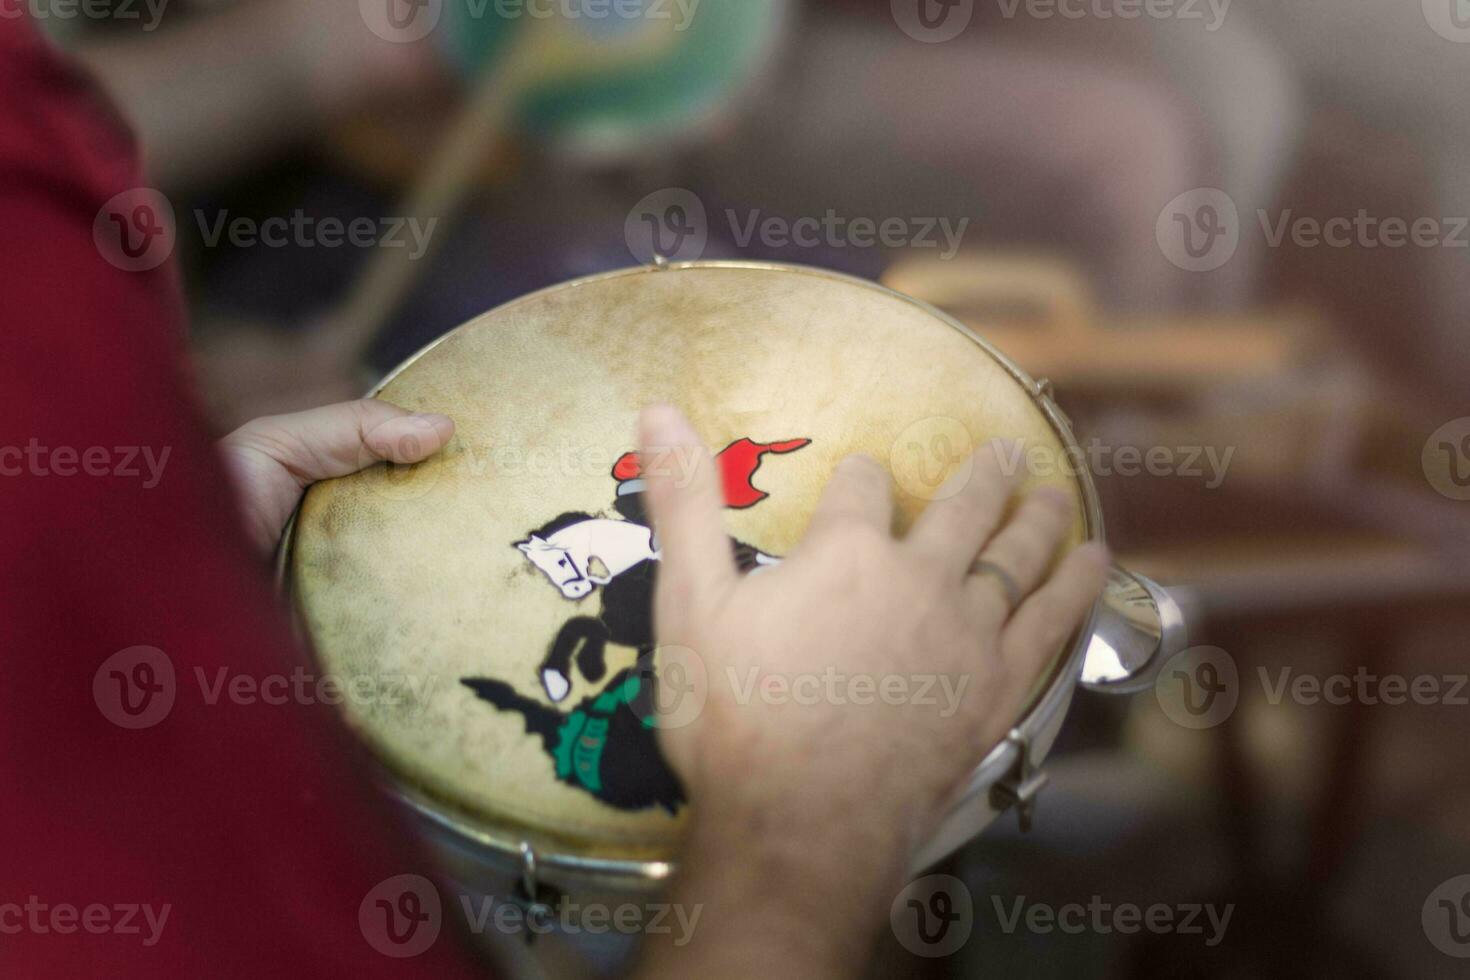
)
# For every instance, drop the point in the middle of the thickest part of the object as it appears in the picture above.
(242, 836)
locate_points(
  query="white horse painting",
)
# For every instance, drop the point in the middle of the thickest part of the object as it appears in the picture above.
(566, 557)
(580, 553)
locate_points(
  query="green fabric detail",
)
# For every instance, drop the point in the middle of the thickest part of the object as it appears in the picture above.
(608, 701)
(566, 737)
(581, 739)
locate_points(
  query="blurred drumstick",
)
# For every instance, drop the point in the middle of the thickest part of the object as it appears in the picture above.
(548, 50)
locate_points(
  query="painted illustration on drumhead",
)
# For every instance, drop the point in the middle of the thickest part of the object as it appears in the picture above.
(607, 745)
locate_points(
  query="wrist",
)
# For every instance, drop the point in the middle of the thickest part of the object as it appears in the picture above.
(781, 893)
(839, 787)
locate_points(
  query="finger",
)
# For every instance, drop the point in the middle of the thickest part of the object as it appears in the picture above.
(336, 440)
(1052, 614)
(409, 438)
(859, 493)
(686, 501)
(954, 527)
(1023, 549)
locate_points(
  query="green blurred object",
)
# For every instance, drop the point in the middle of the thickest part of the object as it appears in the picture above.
(655, 95)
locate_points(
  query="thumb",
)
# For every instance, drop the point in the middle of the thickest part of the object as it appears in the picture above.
(407, 438)
(687, 504)
(336, 440)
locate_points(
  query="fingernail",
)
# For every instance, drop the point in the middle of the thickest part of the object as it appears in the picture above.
(442, 424)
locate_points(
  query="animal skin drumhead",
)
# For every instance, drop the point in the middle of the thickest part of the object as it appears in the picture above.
(486, 612)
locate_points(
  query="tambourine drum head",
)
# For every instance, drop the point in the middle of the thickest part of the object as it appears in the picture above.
(484, 612)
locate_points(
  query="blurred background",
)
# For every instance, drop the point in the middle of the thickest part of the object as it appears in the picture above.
(1232, 234)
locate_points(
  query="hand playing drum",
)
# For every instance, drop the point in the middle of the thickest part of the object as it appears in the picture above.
(966, 600)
